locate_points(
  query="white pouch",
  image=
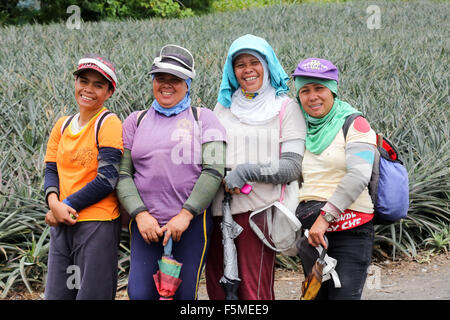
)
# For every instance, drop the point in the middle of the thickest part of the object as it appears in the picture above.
(276, 224)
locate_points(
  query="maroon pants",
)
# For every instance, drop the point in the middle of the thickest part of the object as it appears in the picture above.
(256, 263)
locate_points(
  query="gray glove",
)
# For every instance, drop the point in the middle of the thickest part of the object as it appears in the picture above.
(288, 169)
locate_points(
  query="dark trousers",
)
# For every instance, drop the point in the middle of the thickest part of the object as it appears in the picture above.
(83, 261)
(190, 251)
(353, 250)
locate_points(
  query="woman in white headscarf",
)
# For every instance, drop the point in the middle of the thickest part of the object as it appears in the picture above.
(251, 97)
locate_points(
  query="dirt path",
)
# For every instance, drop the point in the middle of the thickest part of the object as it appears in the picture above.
(427, 278)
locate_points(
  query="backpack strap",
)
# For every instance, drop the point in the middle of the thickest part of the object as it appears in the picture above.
(66, 123)
(98, 123)
(281, 116)
(140, 116)
(348, 122)
(196, 112)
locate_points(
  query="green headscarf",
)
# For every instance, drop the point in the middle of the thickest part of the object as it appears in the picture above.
(322, 131)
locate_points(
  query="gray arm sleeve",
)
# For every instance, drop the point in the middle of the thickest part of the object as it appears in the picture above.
(287, 169)
(359, 159)
(126, 188)
(213, 168)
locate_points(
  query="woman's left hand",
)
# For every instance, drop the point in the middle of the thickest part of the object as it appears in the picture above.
(232, 191)
(318, 229)
(235, 179)
(177, 225)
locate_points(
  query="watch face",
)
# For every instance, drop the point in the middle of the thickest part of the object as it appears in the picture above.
(328, 217)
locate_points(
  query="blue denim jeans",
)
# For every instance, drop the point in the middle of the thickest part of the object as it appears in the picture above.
(353, 250)
(190, 250)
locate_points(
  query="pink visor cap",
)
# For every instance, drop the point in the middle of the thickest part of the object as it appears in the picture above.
(100, 64)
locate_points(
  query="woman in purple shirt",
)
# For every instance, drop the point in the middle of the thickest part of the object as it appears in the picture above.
(172, 167)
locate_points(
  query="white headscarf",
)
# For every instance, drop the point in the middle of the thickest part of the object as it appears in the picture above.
(264, 107)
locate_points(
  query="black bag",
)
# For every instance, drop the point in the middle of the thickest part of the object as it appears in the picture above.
(307, 212)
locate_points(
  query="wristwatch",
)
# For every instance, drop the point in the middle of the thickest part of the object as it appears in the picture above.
(327, 216)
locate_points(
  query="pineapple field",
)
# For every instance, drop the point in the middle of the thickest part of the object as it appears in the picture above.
(393, 63)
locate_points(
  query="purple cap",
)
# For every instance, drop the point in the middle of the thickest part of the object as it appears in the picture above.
(316, 68)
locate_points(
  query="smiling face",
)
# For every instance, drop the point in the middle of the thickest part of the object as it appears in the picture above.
(316, 99)
(249, 72)
(91, 90)
(168, 89)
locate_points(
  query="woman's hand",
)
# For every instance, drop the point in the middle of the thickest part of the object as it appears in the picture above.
(50, 219)
(233, 190)
(318, 229)
(235, 180)
(60, 212)
(177, 225)
(148, 227)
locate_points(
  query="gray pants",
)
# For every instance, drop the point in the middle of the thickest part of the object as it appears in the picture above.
(83, 261)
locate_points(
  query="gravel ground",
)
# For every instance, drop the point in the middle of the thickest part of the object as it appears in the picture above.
(425, 278)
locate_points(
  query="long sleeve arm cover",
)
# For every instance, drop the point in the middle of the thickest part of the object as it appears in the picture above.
(94, 191)
(287, 169)
(359, 160)
(204, 189)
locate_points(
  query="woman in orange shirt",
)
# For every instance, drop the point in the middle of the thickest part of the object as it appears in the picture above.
(82, 159)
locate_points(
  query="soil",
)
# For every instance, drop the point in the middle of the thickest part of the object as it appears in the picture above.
(424, 278)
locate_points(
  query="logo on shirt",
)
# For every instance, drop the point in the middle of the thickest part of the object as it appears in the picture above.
(185, 127)
(84, 157)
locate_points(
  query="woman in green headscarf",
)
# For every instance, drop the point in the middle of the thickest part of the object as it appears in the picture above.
(336, 171)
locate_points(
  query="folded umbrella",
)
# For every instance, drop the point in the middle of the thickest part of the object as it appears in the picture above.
(312, 283)
(230, 230)
(313, 265)
(167, 278)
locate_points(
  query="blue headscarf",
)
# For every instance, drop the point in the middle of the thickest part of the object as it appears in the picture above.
(179, 107)
(229, 84)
